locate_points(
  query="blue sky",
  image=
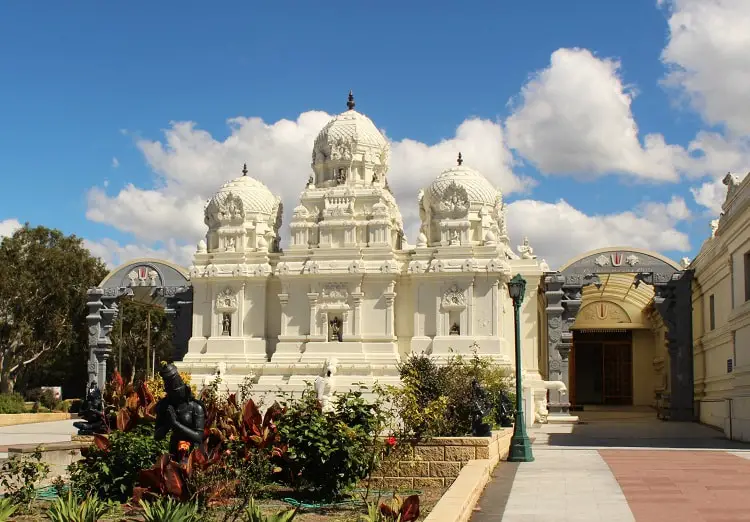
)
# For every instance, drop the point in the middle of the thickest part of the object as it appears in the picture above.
(87, 86)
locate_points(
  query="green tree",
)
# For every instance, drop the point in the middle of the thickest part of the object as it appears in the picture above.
(44, 276)
(133, 324)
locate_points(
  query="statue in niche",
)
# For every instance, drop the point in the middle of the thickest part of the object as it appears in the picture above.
(231, 243)
(326, 384)
(479, 407)
(341, 177)
(334, 330)
(375, 178)
(527, 252)
(455, 238)
(92, 411)
(180, 413)
(226, 324)
(455, 329)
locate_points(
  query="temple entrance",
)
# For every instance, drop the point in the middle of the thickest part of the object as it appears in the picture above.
(602, 368)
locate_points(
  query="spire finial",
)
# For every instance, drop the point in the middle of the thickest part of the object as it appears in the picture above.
(460, 160)
(350, 102)
(244, 169)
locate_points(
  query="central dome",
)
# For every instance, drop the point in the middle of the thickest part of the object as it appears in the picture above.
(348, 136)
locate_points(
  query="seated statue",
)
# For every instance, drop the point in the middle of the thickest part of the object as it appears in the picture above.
(479, 428)
(180, 413)
(92, 410)
(505, 411)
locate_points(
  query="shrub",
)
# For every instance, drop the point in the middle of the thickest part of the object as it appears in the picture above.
(254, 514)
(328, 451)
(45, 398)
(12, 403)
(168, 510)
(20, 476)
(7, 509)
(73, 509)
(110, 471)
(437, 400)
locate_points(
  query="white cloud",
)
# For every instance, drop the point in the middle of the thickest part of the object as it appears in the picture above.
(650, 226)
(574, 118)
(115, 163)
(708, 59)
(115, 254)
(8, 226)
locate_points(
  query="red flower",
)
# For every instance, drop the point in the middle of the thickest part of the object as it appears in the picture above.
(391, 441)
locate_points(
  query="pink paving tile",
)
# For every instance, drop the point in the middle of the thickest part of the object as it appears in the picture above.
(685, 486)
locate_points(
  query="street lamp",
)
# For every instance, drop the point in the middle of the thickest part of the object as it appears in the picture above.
(520, 444)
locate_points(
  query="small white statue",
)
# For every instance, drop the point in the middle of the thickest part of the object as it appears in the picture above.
(230, 244)
(455, 238)
(714, 227)
(421, 240)
(685, 262)
(543, 266)
(201, 247)
(325, 384)
(527, 252)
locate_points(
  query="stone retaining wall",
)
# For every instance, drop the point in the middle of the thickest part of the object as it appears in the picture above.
(438, 461)
(12, 419)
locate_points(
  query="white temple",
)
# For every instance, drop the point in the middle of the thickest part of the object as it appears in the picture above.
(348, 297)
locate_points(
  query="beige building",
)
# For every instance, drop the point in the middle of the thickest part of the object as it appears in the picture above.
(721, 316)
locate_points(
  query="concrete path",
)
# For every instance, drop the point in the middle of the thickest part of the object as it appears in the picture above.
(58, 431)
(623, 466)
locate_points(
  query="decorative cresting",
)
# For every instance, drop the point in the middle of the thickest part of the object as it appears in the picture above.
(672, 287)
(242, 216)
(158, 282)
(462, 208)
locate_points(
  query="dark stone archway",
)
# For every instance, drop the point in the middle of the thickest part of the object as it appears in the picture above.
(673, 301)
(151, 280)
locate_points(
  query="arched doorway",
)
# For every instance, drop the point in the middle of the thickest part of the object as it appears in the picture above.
(152, 281)
(671, 300)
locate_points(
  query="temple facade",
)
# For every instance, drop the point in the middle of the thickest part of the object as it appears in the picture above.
(349, 296)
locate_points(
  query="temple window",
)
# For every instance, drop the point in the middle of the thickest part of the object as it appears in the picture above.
(455, 329)
(711, 313)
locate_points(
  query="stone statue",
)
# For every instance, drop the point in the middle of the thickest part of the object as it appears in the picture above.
(310, 181)
(526, 251)
(544, 266)
(479, 404)
(341, 177)
(92, 410)
(714, 227)
(505, 411)
(455, 329)
(455, 238)
(179, 413)
(334, 332)
(226, 325)
(231, 244)
(326, 384)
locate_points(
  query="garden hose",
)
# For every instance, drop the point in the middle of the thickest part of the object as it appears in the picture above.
(352, 502)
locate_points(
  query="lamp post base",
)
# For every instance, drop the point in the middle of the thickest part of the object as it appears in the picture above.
(520, 449)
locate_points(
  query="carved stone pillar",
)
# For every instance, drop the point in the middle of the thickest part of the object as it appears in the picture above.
(495, 310)
(284, 301)
(673, 301)
(312, 298)
(93, 320)
(558, 404)
(179, 310)
(390, 297)
(357, 314)
(108, 314)
(469, 309)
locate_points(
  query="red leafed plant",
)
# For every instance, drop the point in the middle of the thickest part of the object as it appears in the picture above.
(128, 406)
(398, 510)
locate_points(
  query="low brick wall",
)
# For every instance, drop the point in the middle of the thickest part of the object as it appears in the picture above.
(437, 462)
(12, 419)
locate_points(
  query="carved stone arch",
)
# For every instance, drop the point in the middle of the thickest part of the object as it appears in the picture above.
(153, 281)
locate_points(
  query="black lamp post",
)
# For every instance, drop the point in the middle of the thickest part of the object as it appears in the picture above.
(520, 444)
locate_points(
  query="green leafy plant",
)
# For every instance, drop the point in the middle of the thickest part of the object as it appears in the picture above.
(109, 469)
(12, 403)
(253, 513)
(73, 509)
(169, 510)
(7, 509)
(20, 476)
(327, 451)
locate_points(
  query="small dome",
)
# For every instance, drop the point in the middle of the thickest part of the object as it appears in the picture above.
(478, 189)
(241, 198)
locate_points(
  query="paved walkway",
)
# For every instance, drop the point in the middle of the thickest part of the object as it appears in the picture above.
(623, 466)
